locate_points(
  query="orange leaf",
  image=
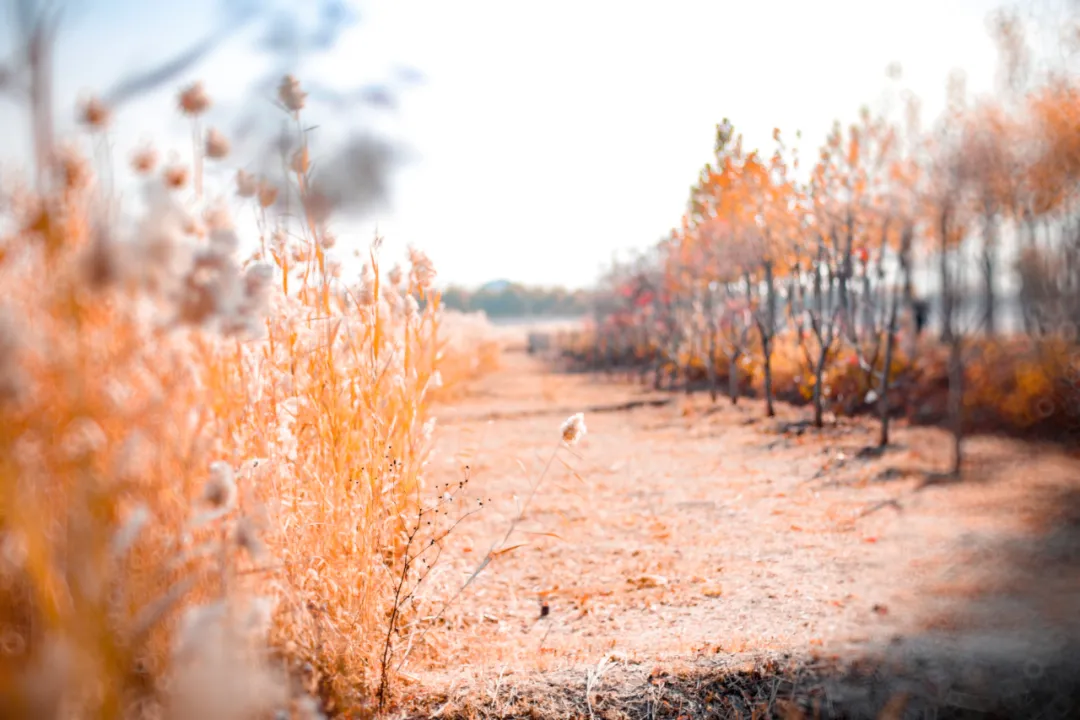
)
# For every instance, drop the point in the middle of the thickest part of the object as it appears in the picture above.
(497, 553)
(545, 534)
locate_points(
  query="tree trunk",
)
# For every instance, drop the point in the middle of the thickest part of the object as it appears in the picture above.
(956, 403)
(767, 337)
(819, 372)
(673, 365)
(989, 266)
(946, 293)
(766, 346)
(909, 290)
(733, 378)
(688, 366)
(710, 363)
(886, 374)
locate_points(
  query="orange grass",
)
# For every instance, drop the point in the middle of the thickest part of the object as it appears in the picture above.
(208, 465)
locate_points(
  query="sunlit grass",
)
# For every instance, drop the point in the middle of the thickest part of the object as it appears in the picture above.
(209, 465)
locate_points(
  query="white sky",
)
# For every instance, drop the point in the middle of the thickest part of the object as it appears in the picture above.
(549, 135)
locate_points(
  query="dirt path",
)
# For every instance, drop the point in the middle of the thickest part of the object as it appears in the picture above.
(684, 532)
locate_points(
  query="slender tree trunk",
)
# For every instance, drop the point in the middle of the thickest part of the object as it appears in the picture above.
(989, 263)
(733, 377)
(886, 373)
(956, 402)
(688, 366)
(946, 292)
(658, 372)
(819, 372)
(767, 337)
(908, 290)
(710, 362)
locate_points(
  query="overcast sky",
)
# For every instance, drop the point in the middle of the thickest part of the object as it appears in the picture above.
(547, 135)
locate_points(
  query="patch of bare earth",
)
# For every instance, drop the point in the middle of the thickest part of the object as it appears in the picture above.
(704, 561)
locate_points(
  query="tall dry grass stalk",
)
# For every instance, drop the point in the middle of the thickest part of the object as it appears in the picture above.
(209, 465)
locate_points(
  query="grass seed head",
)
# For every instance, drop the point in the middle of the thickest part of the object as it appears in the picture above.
(290, 94)
(301, 161)
(220, 488)
(193, 100)
(267, 194)
(94, 114)
(423, 270)
(144, 160)
(217, 145)
(573, 428)
(246, 184)
(175, 176)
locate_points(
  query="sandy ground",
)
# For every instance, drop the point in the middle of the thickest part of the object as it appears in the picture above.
(678, 531)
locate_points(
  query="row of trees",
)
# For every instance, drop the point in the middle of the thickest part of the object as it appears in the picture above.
(821, 263)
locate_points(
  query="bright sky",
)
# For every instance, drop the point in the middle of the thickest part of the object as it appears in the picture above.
(549, 135)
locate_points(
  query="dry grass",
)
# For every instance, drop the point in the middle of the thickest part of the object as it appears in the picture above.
(687, 548)
(211, 468)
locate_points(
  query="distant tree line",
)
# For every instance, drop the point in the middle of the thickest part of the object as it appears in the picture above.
(517, 300)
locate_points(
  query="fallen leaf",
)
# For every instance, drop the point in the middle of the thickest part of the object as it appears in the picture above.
(497, 553)
(713, 591)
(544, 534)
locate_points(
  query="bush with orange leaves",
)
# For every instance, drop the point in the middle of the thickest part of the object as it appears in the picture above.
(209, 465)
(1020, 386)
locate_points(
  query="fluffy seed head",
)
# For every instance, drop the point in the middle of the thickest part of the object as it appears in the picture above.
(395, 275)
(220, 488)
(290, 94)
(423, 270)
(217, 145)
(176, 177)
(194, 100)
(144, 161)
(73, 168)
(301, 161)
(365, 294)
(247, 538)
(267, 194)
(246, 184)
(573, 428)
(94, 114)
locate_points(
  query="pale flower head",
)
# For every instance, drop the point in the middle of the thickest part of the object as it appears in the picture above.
(395, 275)
(246, 184)
(217, 217)
(217, 145)
(423, 270)
(175, 176)
(301, 161)
(573, 429)
(144, 160)
(365, 292)
(220, 489)
(267, 194)
(290, 94)
(194, 100)
(94, 114)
